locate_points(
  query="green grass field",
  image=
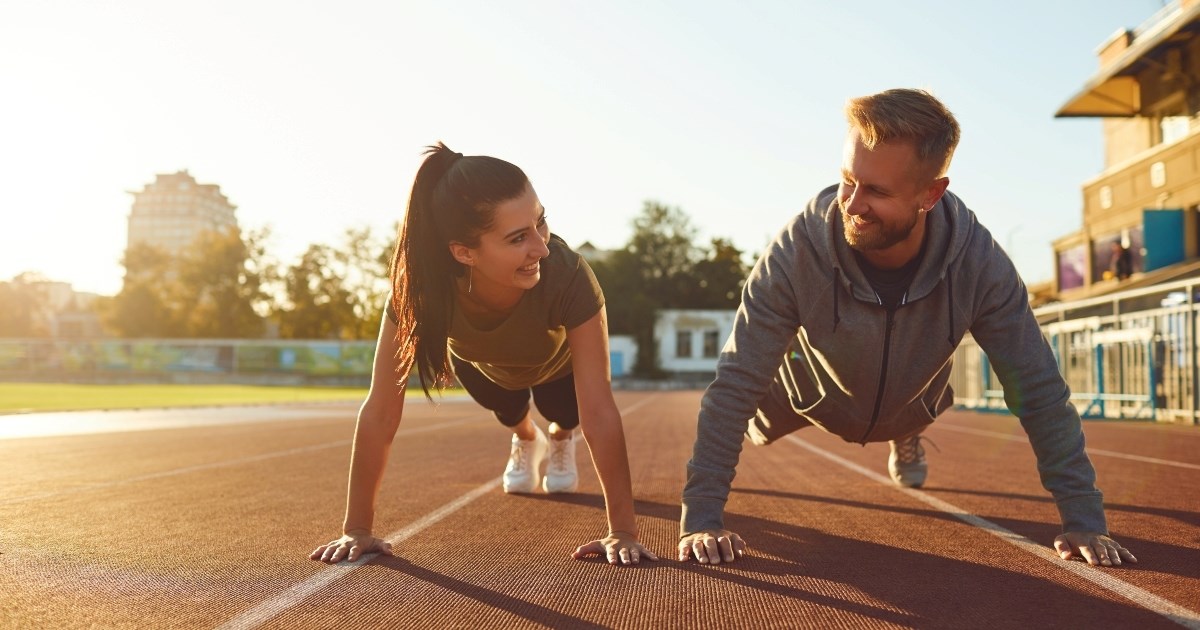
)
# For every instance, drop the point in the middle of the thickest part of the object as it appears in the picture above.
(31, 397)
(27, 397)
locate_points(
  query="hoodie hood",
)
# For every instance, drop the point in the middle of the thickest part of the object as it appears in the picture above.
(948, 229)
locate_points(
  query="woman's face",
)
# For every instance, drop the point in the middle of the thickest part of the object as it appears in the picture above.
(509, 254)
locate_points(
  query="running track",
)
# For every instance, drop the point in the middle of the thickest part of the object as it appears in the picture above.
(204, 519)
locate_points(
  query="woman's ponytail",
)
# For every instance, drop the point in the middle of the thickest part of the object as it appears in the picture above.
(453, 200)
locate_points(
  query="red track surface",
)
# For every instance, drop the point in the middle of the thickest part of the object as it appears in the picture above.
(210, 526)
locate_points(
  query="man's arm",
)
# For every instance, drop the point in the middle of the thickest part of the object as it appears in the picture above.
(1035, 392)
(766, 321)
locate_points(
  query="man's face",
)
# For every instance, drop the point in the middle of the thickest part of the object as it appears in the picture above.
(881, 195)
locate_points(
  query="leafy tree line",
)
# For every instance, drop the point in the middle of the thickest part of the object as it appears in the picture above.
(662, 267)
(227, 285)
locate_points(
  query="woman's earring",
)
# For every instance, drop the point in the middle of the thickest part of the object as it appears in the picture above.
(470, 278)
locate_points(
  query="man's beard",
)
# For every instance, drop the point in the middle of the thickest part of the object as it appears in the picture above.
(878, 235)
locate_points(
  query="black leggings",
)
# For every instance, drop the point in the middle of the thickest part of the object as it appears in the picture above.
(556, 399)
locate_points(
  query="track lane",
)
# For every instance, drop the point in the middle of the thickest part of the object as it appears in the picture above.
(829, 548)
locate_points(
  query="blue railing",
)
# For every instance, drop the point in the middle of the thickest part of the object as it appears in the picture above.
(1131, 354)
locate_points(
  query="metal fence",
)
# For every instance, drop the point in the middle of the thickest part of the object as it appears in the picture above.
(187, 360)
(1126, 355)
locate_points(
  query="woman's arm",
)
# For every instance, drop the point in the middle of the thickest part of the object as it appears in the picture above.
(601, 424)
(378, 419)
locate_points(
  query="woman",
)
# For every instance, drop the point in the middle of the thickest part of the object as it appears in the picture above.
(483, 292)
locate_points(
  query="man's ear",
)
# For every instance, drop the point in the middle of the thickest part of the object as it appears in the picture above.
(462, 253)
(934, 193)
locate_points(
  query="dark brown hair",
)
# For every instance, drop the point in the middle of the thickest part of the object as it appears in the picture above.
(453, 199)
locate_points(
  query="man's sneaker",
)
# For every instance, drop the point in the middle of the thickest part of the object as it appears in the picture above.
(524, 462)
(906, 463)
(561, 475)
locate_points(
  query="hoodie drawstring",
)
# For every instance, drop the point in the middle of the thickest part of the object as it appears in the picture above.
(837, 273)
(950, 308)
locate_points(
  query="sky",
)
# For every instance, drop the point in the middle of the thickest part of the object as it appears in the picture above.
(312, 116)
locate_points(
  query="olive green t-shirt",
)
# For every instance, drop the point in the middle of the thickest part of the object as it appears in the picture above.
(530, 346)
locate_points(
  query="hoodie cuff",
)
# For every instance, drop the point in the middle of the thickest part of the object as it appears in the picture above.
(1083, 514)
(701, 514)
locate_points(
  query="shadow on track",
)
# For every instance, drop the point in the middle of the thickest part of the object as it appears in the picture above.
(1154, 556)
(525, 609)
(880, 581)
(1185, 517)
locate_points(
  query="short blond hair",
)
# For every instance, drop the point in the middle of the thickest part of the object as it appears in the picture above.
(907, 115)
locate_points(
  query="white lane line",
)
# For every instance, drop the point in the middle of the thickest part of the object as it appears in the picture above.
(1183, 616)
(638, 405)
(222, 464)
(1090, 450)
(76, 423)
(276, 605)
(271, 608)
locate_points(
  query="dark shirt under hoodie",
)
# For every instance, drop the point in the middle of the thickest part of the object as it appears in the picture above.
(891, 285)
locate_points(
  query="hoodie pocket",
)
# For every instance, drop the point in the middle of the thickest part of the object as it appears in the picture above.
(829, 414)
(818, 404)
(910, 421)
(796, 400)
(915, 417)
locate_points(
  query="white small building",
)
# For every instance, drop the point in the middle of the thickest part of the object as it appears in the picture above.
(690, 341)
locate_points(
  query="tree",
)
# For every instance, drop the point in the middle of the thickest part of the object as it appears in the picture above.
(364, 260)
(23, 307)
(662, 268)
(653, 271)
(217, 288)
(318, 306)
(146, 304)
(662, 245)
(631, 309)
(717, 280)
(221, 282)
(337, 292)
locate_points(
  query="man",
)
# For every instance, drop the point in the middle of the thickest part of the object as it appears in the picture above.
(871, 289)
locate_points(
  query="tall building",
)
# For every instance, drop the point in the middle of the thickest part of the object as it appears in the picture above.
(1147, 198)
(173, 210)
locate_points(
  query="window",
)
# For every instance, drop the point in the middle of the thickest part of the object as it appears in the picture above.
(683, 344)
(1103, 253)
(1072, 267)
(1174, 127)
(1169, 118)
(712, 339)
(1158, 174)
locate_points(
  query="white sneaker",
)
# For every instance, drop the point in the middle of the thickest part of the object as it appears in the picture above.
(906, 463)
(524, 463)
(561, 475)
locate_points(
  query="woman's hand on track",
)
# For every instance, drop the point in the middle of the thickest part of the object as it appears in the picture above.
(619, 548)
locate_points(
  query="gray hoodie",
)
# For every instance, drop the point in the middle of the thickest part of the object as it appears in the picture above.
(867, 374)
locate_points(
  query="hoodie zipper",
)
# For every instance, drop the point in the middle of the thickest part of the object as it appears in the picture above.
(887, 346)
